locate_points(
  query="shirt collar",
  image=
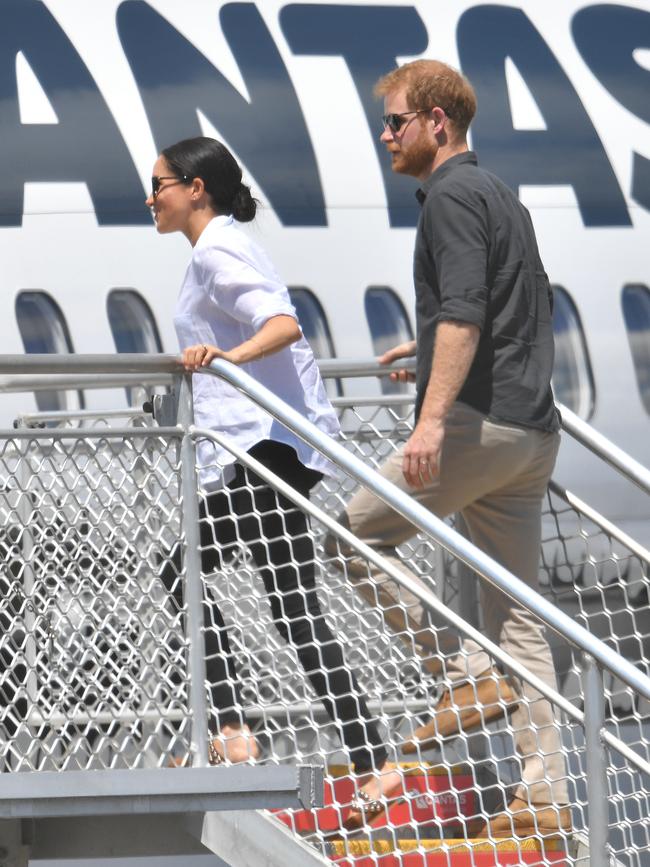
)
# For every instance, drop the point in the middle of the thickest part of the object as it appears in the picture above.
(467, 157)
(214, 224)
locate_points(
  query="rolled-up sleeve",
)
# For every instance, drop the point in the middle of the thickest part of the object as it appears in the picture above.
(241, 291)
(458, 234)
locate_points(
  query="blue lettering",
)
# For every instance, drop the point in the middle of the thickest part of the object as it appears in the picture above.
(606, 37)
(569, 151)
(84, 146)
(269, 133)
(369, 38)
(641, 180)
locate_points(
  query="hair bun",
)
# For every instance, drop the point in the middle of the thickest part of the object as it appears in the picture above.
(210, 160)
(243, 205)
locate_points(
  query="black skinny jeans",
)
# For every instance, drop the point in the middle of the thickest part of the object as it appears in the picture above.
(278, 536)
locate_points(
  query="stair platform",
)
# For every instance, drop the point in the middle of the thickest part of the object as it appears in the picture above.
(448, 853)
(431, 794)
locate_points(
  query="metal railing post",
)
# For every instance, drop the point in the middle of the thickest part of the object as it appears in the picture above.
(25, 511)
(193, 590)
(594, 708)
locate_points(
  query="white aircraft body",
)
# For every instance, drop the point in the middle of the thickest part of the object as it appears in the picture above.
(91, 92)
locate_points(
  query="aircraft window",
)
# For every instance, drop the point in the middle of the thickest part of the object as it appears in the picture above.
(316, 330)
(573, 382)
(134, 330)
(389, 325)
(636, 311)
(132, 322)
(43, 329)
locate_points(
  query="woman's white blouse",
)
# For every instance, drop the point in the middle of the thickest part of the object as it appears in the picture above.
(229, 291)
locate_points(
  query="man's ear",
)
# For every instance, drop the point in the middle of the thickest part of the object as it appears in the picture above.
(437, 115)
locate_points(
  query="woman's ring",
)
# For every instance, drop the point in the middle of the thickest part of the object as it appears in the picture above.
(205, 348)
(424, 461)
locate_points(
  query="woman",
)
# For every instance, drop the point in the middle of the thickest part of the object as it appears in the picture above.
(232, 305)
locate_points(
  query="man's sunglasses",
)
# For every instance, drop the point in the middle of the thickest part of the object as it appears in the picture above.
(395, 122)
(156, 184)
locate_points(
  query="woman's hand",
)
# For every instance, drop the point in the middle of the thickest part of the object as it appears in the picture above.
(200, 355)
(276, 333)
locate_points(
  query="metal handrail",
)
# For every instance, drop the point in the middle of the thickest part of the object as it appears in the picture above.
(430, 600)
(587, 436)
(417, 514)
(572, 424)
(348, 368)
(594, 652)
(76, 382)
(424, 520)
(62, 415)
(132, 363)
(52, 372)
(596, 518)
(121, 363)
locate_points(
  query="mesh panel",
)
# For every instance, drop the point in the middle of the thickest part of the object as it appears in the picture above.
(90, 644)
(403, 672)
(94, 656)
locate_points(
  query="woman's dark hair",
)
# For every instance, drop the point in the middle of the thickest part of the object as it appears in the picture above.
(210, 160)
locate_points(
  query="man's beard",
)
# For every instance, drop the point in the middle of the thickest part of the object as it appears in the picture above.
(415, 160)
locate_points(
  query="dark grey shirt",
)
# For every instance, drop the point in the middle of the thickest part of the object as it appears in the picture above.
(476, 260)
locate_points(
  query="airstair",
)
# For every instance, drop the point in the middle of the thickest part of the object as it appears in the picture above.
(103, 682)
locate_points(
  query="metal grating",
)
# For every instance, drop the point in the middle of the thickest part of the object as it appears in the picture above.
(94, 671)
(92, 662)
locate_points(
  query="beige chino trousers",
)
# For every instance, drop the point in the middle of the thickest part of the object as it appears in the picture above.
(496, 476)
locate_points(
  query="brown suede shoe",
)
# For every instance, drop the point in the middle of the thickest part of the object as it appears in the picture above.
(432, 664)
(521, 819)
(465, 707)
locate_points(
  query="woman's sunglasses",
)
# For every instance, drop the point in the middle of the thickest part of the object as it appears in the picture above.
(156, 184)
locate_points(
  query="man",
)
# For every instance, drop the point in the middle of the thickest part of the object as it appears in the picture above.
(486, 432)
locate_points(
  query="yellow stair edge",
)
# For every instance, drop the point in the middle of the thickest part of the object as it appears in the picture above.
(461, 845)
(411, 769)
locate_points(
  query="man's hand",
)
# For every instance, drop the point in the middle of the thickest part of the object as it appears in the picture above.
(403, 350)
(421, 461)
(454, 351)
